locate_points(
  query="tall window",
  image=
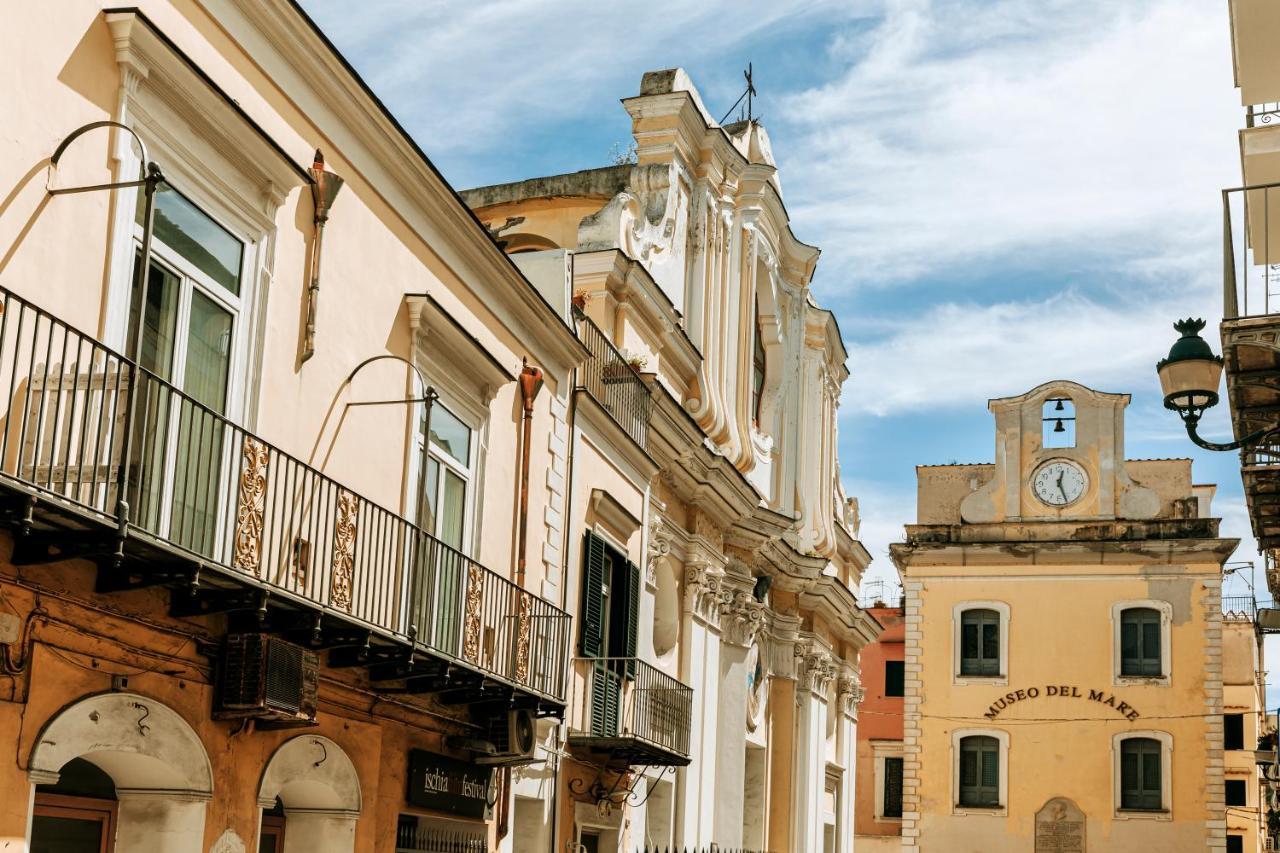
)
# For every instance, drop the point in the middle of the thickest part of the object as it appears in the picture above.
(1058, 423)
(892, 786)
(1233, 731)
(609, 627)
(894, 681)
(1140, 642)
(979, 771)
(980, 642)
(1237, 792)
(183, 325)
(448, 476)
(757, 368)
(1235, 844)
(1141, 774)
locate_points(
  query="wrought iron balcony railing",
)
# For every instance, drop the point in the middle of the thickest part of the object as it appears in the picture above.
(633, 712)
(89, 433)
(1251, 251)
(612, 380)
(1241, 606)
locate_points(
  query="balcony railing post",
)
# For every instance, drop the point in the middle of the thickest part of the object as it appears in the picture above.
(1230, 308)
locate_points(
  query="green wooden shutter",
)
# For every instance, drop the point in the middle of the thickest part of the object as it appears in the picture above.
(633, 617)
(1140, 642)
(1141, 774)
(606, 697)
(591, 615)
(979, 771)
(980, 642)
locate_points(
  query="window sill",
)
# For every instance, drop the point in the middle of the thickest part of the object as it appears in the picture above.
(984, 680)
(979, 811)
(886, 819)
(1140, 681)
(1143, 814)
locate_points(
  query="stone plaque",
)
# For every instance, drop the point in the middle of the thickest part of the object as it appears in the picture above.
(1060, 827)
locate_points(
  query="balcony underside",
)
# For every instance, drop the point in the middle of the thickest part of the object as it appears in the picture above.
(624, 750)
(1253, 389)
(47, 529)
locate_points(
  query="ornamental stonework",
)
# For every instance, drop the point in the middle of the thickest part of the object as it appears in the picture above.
(523, 623)
(815, 667)
(742, 618)
(250, 506)
(344, 549)
(471, 627)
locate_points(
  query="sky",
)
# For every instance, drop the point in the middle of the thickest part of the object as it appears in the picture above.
(1005, 191)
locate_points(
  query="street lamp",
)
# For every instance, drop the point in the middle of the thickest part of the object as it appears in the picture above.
(1190, 377)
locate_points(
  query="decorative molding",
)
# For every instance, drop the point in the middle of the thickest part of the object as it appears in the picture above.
(255, 457)
(849, 694)
(815, 667)
(344, 549)
(659, 547)
(523, 624)
(742, 618)
(471, 620)
(607, 508)
(703, 591)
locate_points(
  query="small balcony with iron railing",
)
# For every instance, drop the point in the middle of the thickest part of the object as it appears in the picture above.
(613, 381)
(631, 714)
(1251, 343)
(104, 460)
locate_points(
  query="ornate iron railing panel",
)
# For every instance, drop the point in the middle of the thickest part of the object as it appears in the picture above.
(613, 381)
(628, 698)
(86, 426)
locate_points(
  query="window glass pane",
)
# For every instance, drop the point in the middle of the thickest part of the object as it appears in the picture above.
(159, 322)
(893, 678)
(452, 503)
(991, 644)
(65, 835)
(968, 767)
(208, 352)
(1129, 634)
(427, 515)
(190, 232)
(1233, 731)
(969, 640)
(1151, 639)
(990, 769)
(1237, 794)
(450, 434)
(893, 787)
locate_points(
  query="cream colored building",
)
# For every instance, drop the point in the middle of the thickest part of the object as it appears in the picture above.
(1245, 725)
(1065, 679)
(703, 453)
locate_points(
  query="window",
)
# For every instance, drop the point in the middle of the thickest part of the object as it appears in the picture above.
(1237, 792)
(184, 327)
(757, 368)
(979, 772)
(892, 787)
(1140, 653)
(448, 479)
(1141, 785)
(980, 642)
(894, 681)
(1233, 731)
(608, 628)
(1235, 844)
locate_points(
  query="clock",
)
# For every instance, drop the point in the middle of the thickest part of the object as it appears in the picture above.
(1059, 482)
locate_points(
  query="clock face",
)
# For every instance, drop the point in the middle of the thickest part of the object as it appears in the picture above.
(1059, 482)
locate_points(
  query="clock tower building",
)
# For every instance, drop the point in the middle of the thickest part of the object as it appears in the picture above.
(1063, 642)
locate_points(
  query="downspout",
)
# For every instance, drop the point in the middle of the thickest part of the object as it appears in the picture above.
(530, 384)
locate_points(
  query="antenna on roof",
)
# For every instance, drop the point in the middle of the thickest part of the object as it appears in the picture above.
(748, 95)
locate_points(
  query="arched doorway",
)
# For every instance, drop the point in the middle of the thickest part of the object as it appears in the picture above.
(118, 771)
(315, 783)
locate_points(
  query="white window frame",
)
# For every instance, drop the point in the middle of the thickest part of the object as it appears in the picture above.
(880, 750)
(477, 423)
(957, 614)
(1166, 776)
(1166, 644)
(1002, 737)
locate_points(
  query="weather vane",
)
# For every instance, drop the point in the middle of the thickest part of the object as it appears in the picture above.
(748, 95)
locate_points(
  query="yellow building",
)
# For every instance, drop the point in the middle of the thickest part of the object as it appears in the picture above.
(1064, 645)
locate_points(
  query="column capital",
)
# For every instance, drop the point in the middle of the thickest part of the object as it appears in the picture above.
(703, 590)
(742, 618)
(849, 694)
(815, 667)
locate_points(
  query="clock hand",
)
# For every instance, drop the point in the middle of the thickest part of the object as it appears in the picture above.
(1062, 474)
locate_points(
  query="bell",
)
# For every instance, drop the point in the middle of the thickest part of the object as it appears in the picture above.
(1058, 427)
(1059, 407)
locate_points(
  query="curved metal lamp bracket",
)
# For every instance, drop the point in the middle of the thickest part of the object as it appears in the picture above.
(1191, 417)
(614, 795)
(149, 168)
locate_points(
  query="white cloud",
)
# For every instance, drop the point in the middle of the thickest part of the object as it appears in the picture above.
(467, 75)
(968, 130)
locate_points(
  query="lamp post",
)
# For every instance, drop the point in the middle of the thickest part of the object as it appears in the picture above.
(1189, 377)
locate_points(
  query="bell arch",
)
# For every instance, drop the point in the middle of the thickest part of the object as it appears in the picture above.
(317, 783)
(159, 765)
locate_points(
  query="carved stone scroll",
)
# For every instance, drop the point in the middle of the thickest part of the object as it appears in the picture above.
(250, 505)
(344, 549)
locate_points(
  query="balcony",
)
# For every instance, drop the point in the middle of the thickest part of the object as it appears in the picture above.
(632, 714)
(1251, 342)
(612, 381)
(103, 460)
(1239, 607)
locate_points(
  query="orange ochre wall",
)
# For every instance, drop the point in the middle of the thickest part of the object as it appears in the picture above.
(879, 717)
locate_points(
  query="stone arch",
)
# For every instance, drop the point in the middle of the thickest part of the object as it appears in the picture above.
(318, 785)
(139, 742)
(158, 763)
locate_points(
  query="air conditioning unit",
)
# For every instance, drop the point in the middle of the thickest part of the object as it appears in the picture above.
(265, 678)
(514, 736)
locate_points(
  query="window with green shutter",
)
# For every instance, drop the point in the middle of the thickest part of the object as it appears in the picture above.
(892, 787)
(980, 642)
(1140, 642)
(979, 771)
(609, 628)
(1140, 774)
(591, 616)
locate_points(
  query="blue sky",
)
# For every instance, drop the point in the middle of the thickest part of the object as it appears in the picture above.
(1005, 191)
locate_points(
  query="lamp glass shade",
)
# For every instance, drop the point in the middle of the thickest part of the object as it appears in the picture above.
(1191, 381)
